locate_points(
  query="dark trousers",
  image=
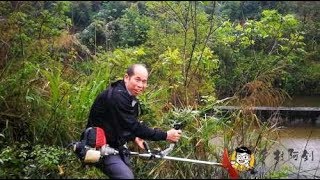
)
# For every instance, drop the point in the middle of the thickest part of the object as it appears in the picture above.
(115, 168)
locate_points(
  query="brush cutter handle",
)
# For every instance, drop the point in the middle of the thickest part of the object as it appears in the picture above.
(165, 152)
(177, 126)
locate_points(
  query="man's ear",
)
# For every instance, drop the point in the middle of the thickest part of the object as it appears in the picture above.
(126, 78)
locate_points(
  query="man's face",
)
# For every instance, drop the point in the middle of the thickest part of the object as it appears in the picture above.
(137, 83)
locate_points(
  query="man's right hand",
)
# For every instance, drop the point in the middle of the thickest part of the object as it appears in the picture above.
(173, 135)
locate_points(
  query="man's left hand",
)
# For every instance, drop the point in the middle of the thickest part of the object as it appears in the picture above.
(139, 142)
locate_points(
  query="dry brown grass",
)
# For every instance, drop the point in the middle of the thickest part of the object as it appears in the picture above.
(260, 93)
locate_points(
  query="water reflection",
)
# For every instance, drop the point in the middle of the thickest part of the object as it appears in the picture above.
(303, 101)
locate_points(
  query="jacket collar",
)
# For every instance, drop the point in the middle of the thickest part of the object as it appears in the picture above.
(123, 87)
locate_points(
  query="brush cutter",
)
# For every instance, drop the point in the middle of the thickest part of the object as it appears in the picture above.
(225, 163)
(91, 152)
(93, 156)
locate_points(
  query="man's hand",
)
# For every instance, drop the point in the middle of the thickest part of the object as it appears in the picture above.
(173, 135)
(139, 142)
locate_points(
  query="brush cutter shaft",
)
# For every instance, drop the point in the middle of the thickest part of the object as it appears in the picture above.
(175, 158)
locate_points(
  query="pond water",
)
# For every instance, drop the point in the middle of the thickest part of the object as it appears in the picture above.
(299, 149)
(299, 145)
(303, 101)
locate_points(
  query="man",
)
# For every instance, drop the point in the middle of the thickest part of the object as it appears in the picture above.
(116, 110)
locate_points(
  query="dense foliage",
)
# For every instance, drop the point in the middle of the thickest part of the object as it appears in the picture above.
(56, 56)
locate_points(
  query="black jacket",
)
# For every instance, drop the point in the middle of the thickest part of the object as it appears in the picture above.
(116, 111)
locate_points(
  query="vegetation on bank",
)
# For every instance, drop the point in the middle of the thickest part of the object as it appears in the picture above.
(57, 56)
